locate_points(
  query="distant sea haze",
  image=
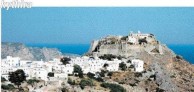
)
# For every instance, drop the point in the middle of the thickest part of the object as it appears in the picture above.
(187, 51)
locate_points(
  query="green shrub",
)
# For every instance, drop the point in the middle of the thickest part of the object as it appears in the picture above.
(119, 57)
(107, 57)
(78, 69)
(3, 79)
(102, 73)
(142, 41)
(131, 66)
(81, 75)
(70, 81)
(110, 73)
(160, 90)
(90, 75)
(99, 79)
(128, 61)
(123, 66)
(64, 90)
(105, 65)
(179, 57)
(7, 87)
(110, 57)
(113, 87)
(86, 82)
(50, 74)
(137, 74)
(65, 60)
(124, 38)
(32, 81)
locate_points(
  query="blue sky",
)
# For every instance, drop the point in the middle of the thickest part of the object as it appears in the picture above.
(82, 25)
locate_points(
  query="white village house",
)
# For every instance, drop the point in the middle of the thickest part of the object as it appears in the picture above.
(138, 65)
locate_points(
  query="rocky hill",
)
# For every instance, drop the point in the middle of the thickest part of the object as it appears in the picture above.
(28, 53)
(164, 70)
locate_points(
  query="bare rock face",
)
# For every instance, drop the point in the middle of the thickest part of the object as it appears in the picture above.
(16, 49)
(28, 53)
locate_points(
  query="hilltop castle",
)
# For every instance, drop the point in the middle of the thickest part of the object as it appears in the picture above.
(126, 45)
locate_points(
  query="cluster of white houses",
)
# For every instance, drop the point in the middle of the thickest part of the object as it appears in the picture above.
(40, 69)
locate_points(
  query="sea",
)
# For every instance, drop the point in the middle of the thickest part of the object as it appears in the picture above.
(186, 51)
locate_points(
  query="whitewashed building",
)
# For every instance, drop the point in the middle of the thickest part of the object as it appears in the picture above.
(25, 63)
(132, 40)
(113, 65)
(139, 35)
(40, 73)
(68, 69)
(138, 65)
(61, 75)
(13, 61)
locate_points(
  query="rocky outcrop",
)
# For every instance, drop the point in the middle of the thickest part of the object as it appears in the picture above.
(28, 53)
(123, 46)
(171, 72)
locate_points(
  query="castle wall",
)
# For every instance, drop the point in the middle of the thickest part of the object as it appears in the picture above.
(119, 49)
